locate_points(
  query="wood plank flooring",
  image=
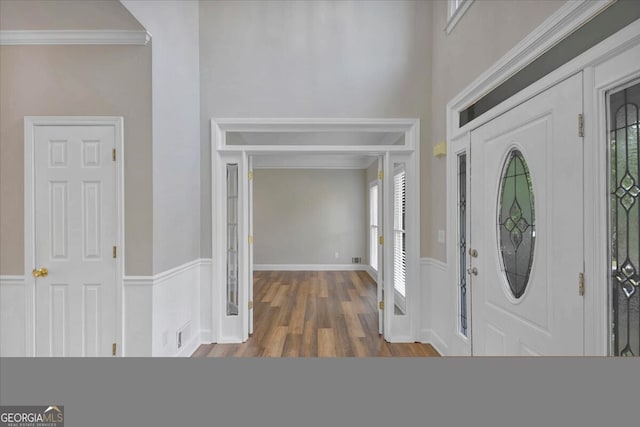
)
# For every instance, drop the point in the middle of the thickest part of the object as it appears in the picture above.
(315, 314)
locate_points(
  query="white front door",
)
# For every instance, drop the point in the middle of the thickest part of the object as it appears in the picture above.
(75, 233)
(527, 227)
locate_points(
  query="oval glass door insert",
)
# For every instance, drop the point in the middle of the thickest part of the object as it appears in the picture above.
(516, 222)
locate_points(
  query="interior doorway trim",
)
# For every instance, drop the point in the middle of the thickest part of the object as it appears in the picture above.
(30, 124)
(409, 127)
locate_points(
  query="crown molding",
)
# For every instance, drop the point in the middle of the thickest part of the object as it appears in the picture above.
(74, 37)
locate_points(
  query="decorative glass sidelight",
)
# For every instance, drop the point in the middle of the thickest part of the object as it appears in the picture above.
(625, 220)
(516, 222)
(232, 239)
(462, 240)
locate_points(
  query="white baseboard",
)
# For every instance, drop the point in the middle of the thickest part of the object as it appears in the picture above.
(373, 273)
(439, 344)
(205, 336)
(424, 336)
(310, 267)
(190, 347)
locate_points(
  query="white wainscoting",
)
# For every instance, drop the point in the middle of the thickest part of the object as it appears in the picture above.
(435, 305)
(206, 315)
(15, 317)
(157, 307)
(154, 308)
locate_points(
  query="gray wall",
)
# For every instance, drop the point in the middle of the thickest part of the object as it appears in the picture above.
(311, 59)
(74, 81)
(65, 15)
(488, 30)
(306, 216)
(176, 129)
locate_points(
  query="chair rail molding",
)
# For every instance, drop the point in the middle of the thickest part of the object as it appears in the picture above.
(74, 37)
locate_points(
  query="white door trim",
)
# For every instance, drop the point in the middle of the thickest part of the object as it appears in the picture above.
(567, 19)
(219, 128)
(30, 123)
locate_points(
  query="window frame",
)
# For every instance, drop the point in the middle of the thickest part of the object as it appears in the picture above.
(455, 10)
(399, 227)
(373, 241)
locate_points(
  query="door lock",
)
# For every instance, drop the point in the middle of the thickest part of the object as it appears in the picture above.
(473, 253)
(473, 271)
(41, 272)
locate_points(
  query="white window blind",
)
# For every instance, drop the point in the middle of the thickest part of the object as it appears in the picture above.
(373, 226)
(399, 237)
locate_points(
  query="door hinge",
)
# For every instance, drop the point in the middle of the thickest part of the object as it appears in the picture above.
(113, 154)
(581, 125)
(381, 240)
(113, 349)
(381, 305)
(380, 175)
(114, 251)
(250, 175)
(251, 240)
(581, 284)
(250, 305)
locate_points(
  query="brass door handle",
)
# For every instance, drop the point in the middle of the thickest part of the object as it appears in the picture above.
(41, 272)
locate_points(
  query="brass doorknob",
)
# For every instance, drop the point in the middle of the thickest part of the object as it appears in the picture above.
(41, 272)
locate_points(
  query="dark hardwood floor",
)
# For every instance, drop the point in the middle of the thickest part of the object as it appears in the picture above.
(315, 314)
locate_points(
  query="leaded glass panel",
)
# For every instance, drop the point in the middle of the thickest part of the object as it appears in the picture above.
(232, 240)
(625, 220)
(516, 222)
(462, 240)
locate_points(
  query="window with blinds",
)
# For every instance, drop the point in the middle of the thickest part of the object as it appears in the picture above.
(399, 238)
(373, 226)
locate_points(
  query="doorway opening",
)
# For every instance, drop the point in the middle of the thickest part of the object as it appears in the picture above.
(246, 150)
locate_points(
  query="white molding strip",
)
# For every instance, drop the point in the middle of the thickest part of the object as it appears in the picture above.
(310, 267)
(75, 37)
(567, 19)
(165, 275)
(11, 280)
(168, 274)
(453, 20)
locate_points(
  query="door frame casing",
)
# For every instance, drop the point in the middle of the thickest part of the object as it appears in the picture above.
(30, 123)
(568, 18)
(219, 128)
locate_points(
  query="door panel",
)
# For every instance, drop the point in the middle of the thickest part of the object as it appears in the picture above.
(547, 317)
(75, 231)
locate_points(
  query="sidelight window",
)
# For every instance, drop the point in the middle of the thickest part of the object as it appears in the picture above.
(624, 220)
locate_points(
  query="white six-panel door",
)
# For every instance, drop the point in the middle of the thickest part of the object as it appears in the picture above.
(75, 233)
(547, 319)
